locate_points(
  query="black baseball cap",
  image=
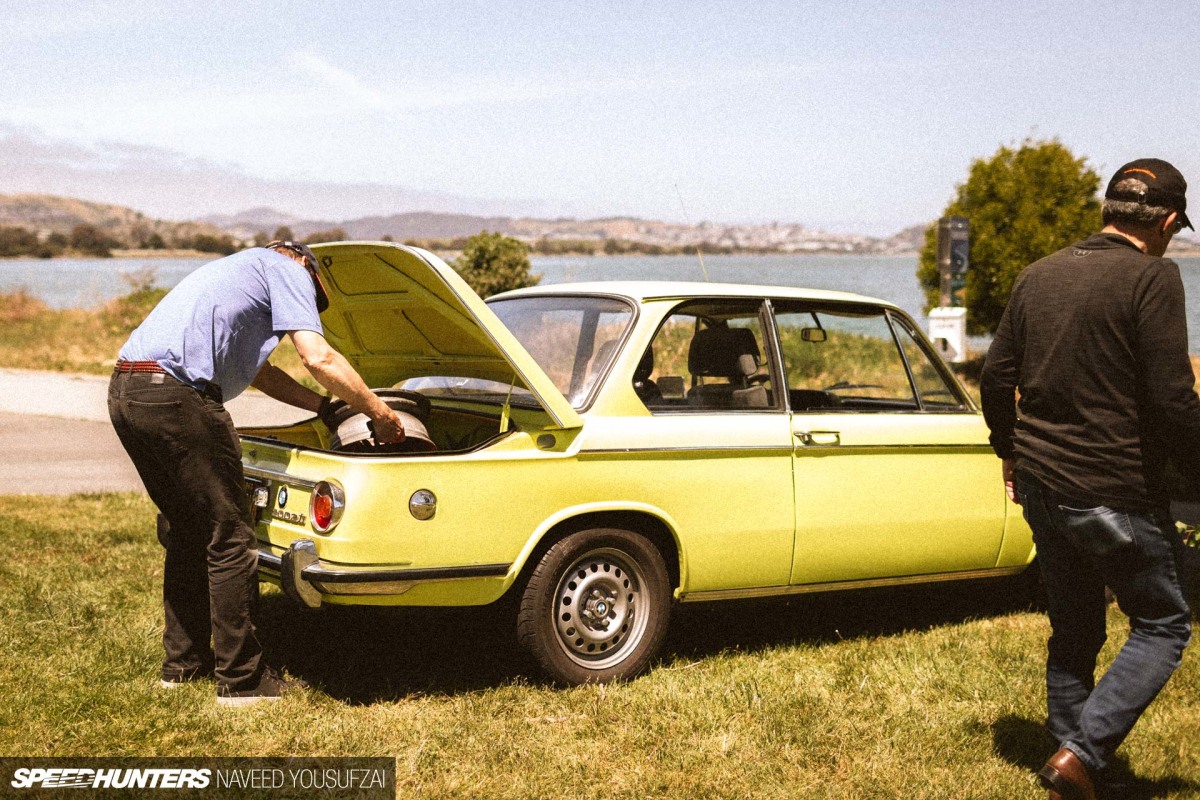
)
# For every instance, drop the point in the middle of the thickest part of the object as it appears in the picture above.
(1165, 186)
(310, 264)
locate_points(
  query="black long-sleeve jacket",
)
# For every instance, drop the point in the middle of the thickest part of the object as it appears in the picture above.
(1095, 340)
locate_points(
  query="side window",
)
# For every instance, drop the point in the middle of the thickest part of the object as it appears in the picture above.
(937, 394)
(708, 355)
(841, 359)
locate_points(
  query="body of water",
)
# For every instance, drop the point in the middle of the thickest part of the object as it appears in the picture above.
(64, 283)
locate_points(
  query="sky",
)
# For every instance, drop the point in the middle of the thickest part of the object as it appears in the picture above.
(842, 116)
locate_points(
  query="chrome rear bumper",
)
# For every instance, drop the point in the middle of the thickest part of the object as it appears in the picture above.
(305, 578)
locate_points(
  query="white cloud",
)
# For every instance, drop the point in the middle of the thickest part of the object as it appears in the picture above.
(172, 185)
(348, 85)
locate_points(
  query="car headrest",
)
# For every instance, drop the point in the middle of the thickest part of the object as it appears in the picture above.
(723, 352)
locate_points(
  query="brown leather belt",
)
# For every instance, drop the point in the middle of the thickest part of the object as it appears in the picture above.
(139, 366)
(209, 390)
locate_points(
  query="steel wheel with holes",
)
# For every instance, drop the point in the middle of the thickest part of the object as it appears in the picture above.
(596, 607)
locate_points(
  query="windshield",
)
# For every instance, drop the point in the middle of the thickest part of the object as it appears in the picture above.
(573, 339)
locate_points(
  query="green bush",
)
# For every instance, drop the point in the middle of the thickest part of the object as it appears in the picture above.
(331, 235)
(492, 263)
(207, 243)
(17, 241)
(91, 240)
(1023, 204)
(122, 315)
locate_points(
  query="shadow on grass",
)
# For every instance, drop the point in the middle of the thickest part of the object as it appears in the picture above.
(1026, 744)
(363, 654)
(708, 628)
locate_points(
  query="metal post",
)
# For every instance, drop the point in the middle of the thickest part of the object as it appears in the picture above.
(953, 255)
(948, 322)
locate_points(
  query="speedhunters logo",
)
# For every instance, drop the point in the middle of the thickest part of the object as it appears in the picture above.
(319, 778)
(76, 778)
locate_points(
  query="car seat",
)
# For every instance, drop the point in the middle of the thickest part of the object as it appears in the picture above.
(731, 354)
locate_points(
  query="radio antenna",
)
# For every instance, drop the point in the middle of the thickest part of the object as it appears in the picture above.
(688, 220)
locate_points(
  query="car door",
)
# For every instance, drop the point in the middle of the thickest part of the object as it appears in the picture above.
(893, 474)
(716, 452)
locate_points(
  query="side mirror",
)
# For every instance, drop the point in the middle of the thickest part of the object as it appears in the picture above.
(813, 334)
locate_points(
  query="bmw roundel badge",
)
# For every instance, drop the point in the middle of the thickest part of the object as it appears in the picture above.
(281, 498)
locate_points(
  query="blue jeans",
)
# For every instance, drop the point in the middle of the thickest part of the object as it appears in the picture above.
(1135, 554)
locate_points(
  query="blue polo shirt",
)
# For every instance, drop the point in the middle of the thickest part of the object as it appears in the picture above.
(221, 322)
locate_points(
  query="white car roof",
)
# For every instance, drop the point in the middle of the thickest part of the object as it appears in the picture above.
(670, 290)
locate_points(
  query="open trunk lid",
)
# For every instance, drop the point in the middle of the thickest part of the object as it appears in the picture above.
(398, 312)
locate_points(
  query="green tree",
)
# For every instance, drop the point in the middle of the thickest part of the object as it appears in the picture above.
(93, 241)
(613, 247)
(1023, 204)
(207, 243)
(283, 234)
(492, 263)
(17, 241)
(331, 235)
(54, 245)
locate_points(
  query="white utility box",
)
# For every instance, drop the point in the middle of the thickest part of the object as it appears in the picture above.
(948, 332)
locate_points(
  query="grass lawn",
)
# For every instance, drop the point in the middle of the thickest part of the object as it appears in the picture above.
(921, 693)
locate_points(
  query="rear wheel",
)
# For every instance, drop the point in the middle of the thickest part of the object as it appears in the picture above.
(596, 607)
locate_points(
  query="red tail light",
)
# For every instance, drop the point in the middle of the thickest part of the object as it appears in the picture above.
(326, 506)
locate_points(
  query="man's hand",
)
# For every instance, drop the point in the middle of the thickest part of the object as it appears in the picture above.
(388, 428)
(335, 373)
(1007, 470)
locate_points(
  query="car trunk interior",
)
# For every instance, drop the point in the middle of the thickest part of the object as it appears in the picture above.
(453, 429)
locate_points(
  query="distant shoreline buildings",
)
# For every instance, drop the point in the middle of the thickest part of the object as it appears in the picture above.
(49, 218)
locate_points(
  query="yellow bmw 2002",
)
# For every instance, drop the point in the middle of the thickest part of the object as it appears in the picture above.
(597, 452)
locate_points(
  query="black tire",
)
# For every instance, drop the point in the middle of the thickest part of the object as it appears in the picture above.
(596, 607)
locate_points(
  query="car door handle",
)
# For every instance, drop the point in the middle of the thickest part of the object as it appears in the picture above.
(819, 438)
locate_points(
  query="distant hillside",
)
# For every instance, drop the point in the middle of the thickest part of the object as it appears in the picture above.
(415, 225)
(911, 238)
(46, 214)
(772, 237)
(246, 224)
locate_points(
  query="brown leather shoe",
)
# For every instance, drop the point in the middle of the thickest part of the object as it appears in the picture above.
(1066, 777)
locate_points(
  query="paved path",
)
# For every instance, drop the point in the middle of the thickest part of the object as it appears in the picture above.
(52, 455)
(55, 437)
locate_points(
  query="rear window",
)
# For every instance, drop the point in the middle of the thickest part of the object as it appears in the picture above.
(573, 339)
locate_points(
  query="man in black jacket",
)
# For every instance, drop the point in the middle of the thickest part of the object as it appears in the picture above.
(1095, 340)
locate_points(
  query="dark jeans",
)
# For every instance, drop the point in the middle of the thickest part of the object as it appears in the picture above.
(187, 453)
(1135, 554)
